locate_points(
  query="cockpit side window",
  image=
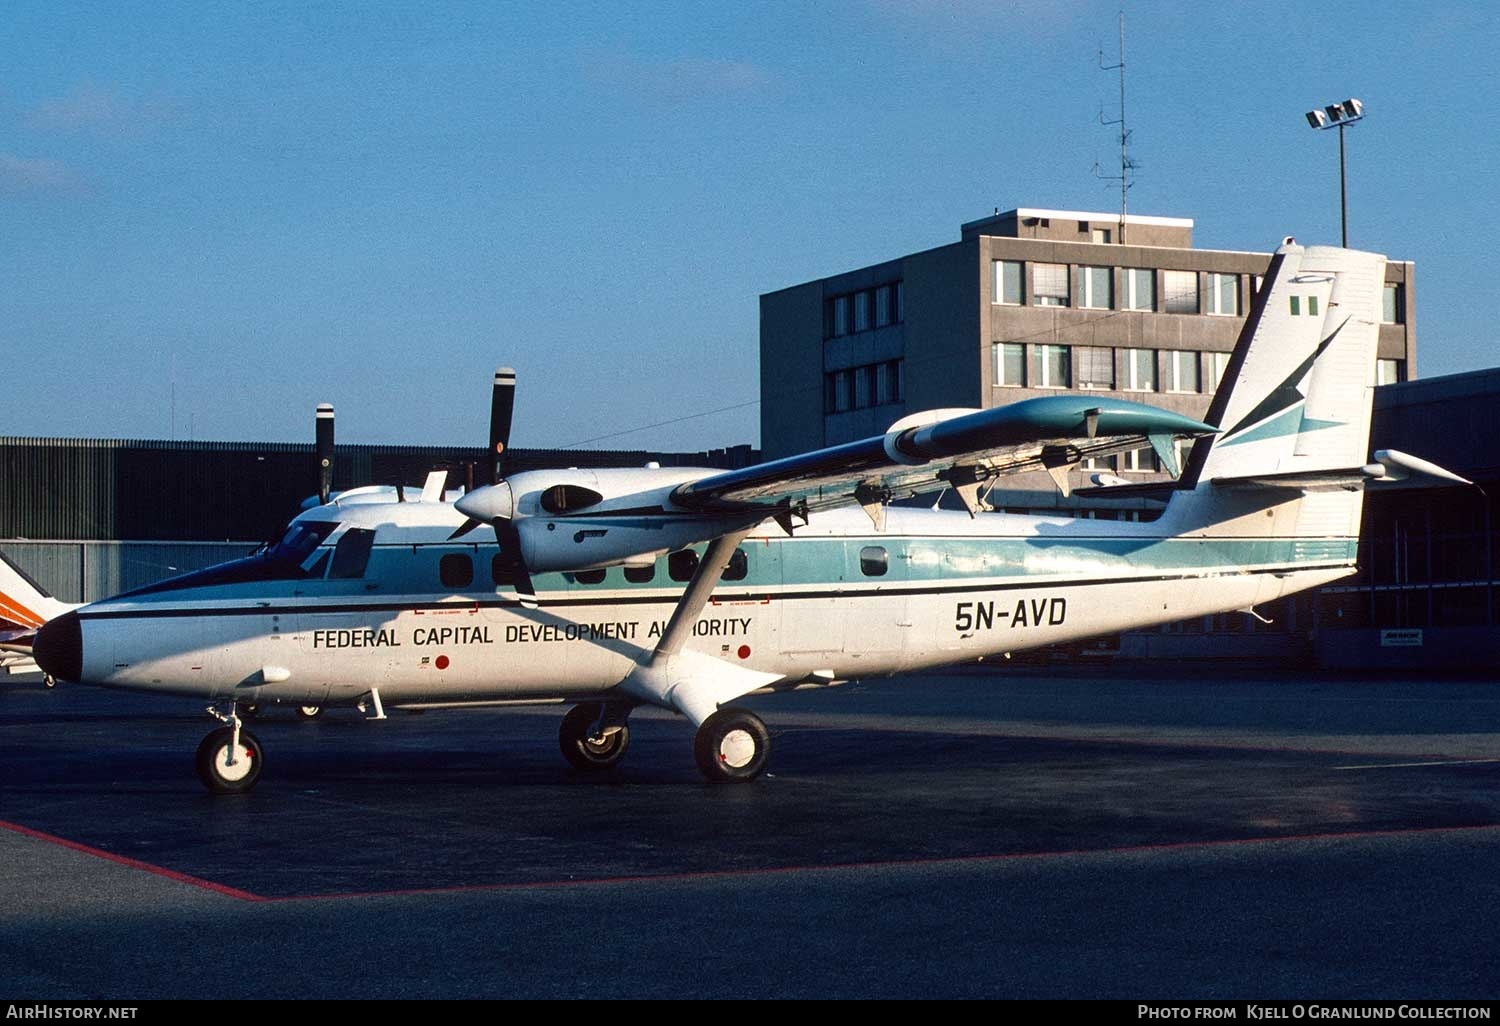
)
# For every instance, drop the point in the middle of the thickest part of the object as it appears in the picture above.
(299, 541)
(352, 554)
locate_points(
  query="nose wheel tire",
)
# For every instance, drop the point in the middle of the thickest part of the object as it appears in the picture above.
(215, 769)
(732, 746)
(582, 748)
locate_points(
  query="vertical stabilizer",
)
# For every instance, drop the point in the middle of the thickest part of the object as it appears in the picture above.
(24, 604)
(1296, 394)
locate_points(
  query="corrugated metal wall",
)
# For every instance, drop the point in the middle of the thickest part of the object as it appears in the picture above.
(86, 571)
(108, 489)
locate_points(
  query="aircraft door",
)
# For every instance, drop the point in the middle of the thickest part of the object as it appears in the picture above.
(812, 580)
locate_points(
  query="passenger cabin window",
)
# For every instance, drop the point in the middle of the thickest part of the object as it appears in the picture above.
(500, 571)
(640, 574)
(456, 570)
(739, 566)
(589, 577)
(873, 561)
(352, 554)
(682, 565)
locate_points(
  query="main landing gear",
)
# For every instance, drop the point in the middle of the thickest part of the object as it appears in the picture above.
(229, 759)
(593, 736)
(732, 746)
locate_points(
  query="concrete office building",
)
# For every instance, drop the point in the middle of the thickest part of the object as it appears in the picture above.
(1026, 303)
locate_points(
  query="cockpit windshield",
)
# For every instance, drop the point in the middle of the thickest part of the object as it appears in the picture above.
(299, 541)
(291, 557)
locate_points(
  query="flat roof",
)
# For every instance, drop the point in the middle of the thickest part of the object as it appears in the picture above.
(1082, 215)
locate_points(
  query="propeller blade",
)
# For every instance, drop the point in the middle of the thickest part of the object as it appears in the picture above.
(502, 406)
(464, 528)
(324, 425)
(510, 551)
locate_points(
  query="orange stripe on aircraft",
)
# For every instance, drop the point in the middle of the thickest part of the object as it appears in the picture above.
(13, 610)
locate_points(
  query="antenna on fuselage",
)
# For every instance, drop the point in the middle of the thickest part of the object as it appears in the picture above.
(324, 447)
(502, 406)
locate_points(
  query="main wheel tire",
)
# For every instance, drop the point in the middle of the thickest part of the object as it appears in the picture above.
(309, 712)
(732, 746)
(582, 751)
(213, 762)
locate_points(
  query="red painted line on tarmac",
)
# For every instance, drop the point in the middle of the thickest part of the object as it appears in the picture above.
(108, 856)
(722, 874)
(950, 860)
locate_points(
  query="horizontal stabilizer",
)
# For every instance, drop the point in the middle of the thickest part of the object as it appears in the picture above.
(1400, 466)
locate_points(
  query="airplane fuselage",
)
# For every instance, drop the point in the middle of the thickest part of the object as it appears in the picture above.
(837, 600)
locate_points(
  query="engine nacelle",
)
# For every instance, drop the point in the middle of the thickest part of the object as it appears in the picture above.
(593, 542)
(578, 519)
(902, 439)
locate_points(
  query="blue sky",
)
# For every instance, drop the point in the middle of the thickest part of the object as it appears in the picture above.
(258, 207)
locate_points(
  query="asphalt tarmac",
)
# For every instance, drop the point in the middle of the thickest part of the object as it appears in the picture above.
(1021, 832)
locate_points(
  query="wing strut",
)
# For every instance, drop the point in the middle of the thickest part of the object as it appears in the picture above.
(705, 579)
(694, 683)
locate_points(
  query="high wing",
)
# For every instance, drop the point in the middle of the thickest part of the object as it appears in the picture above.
(947, 448)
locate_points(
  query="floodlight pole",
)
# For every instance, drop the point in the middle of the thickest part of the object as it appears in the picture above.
(1340, 116)
(1343, 188)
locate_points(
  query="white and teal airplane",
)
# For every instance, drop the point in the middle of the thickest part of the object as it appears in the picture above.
(689, 589)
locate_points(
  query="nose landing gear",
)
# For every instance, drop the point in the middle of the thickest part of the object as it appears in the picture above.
(229, 759)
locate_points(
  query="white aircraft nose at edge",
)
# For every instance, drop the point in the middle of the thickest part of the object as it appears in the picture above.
(691, 588)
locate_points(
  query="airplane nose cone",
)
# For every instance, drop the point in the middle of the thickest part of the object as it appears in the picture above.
(490, 503)
(58, 647)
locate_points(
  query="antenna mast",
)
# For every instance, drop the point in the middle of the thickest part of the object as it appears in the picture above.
(1126, 164)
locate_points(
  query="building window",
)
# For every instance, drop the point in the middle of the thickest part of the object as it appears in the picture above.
(1049, 284)
(1224, 294)
(1138, 461)
(1008, 276)
(1393, 305)
(856, 388)
(1056, 365)
(864, 381)
(882, 306)
(1218, 363)
(1388, 372)
(838, 391)
(873, 561)
(456, 570)
(888, 382)
(1010, 364)
(1181, 288)
(1101, 235)
(1182, 371)
(1140, 370)
(1094, 367)
(1098, 287)
(1140, 288)
(862, 311)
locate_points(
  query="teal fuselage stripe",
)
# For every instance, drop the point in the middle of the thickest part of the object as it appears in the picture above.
(798, 563)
